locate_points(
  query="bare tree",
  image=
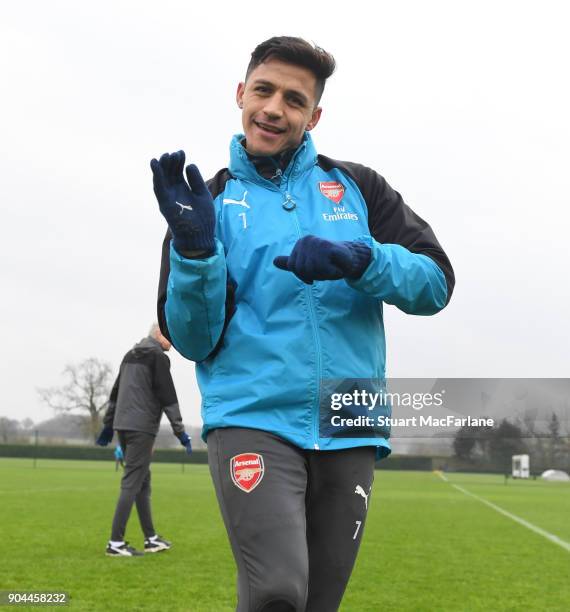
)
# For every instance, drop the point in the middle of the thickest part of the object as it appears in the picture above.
(8, 430)
(87, 388)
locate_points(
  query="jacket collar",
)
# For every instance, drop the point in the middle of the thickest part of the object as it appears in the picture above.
(149, 343)
(241, 166)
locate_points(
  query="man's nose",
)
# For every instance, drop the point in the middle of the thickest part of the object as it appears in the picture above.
(273, 107)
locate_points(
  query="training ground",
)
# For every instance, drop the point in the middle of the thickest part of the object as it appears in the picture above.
(432, 541)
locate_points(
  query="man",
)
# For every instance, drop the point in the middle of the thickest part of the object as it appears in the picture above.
(273, 277)
(142, 392)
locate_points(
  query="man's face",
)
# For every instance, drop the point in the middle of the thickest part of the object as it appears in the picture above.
(278, 102)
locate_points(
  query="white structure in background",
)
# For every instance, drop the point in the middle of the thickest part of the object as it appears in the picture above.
(555, 475)
(521, 466)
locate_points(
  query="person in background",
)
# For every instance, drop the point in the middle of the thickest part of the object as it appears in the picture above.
(119, 457)
(143, 391)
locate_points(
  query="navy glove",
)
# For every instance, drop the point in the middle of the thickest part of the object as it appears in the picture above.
(187, 207)
(105, 436)
(314, 259)
(185, 441)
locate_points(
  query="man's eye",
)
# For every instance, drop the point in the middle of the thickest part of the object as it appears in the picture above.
(262, 89)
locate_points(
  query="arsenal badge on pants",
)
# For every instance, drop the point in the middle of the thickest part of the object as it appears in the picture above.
(246, 471)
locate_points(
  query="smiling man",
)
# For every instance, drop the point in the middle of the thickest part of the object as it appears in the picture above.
(279, 102)
(273, 278)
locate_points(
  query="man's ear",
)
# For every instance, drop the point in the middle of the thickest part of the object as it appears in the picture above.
(239, 94)
(314, 119)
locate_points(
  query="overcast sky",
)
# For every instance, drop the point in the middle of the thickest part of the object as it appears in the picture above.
(461, 106)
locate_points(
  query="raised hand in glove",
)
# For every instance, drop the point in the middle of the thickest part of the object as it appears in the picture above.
(105, 436)
(314, 259)
(186, 442)
(187, 206)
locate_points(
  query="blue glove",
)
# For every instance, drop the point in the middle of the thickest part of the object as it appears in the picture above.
(314, 259)
(185, 441)
(105, 436)
(187, 207)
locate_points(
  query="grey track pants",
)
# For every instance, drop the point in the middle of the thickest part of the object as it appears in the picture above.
(294, 517)
(135, 484)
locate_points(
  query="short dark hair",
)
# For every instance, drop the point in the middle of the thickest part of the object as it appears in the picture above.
(299, 52)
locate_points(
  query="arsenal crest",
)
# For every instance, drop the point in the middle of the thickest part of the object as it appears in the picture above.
(333, 190)
(246, 471)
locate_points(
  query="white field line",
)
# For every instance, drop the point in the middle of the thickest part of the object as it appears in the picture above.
(549, 536)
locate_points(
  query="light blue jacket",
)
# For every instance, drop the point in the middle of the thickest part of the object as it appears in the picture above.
(288, 344)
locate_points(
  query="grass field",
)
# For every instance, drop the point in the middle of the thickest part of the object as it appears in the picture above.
(427, 546)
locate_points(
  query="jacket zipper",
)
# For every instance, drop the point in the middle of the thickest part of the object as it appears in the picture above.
(314, 328)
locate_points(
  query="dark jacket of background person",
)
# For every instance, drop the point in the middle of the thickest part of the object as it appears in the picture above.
(143, 391)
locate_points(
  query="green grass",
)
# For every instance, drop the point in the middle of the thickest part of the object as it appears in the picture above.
(426, 546)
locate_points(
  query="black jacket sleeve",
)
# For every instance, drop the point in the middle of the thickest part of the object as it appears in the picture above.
(112, 403)
(165, 392)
